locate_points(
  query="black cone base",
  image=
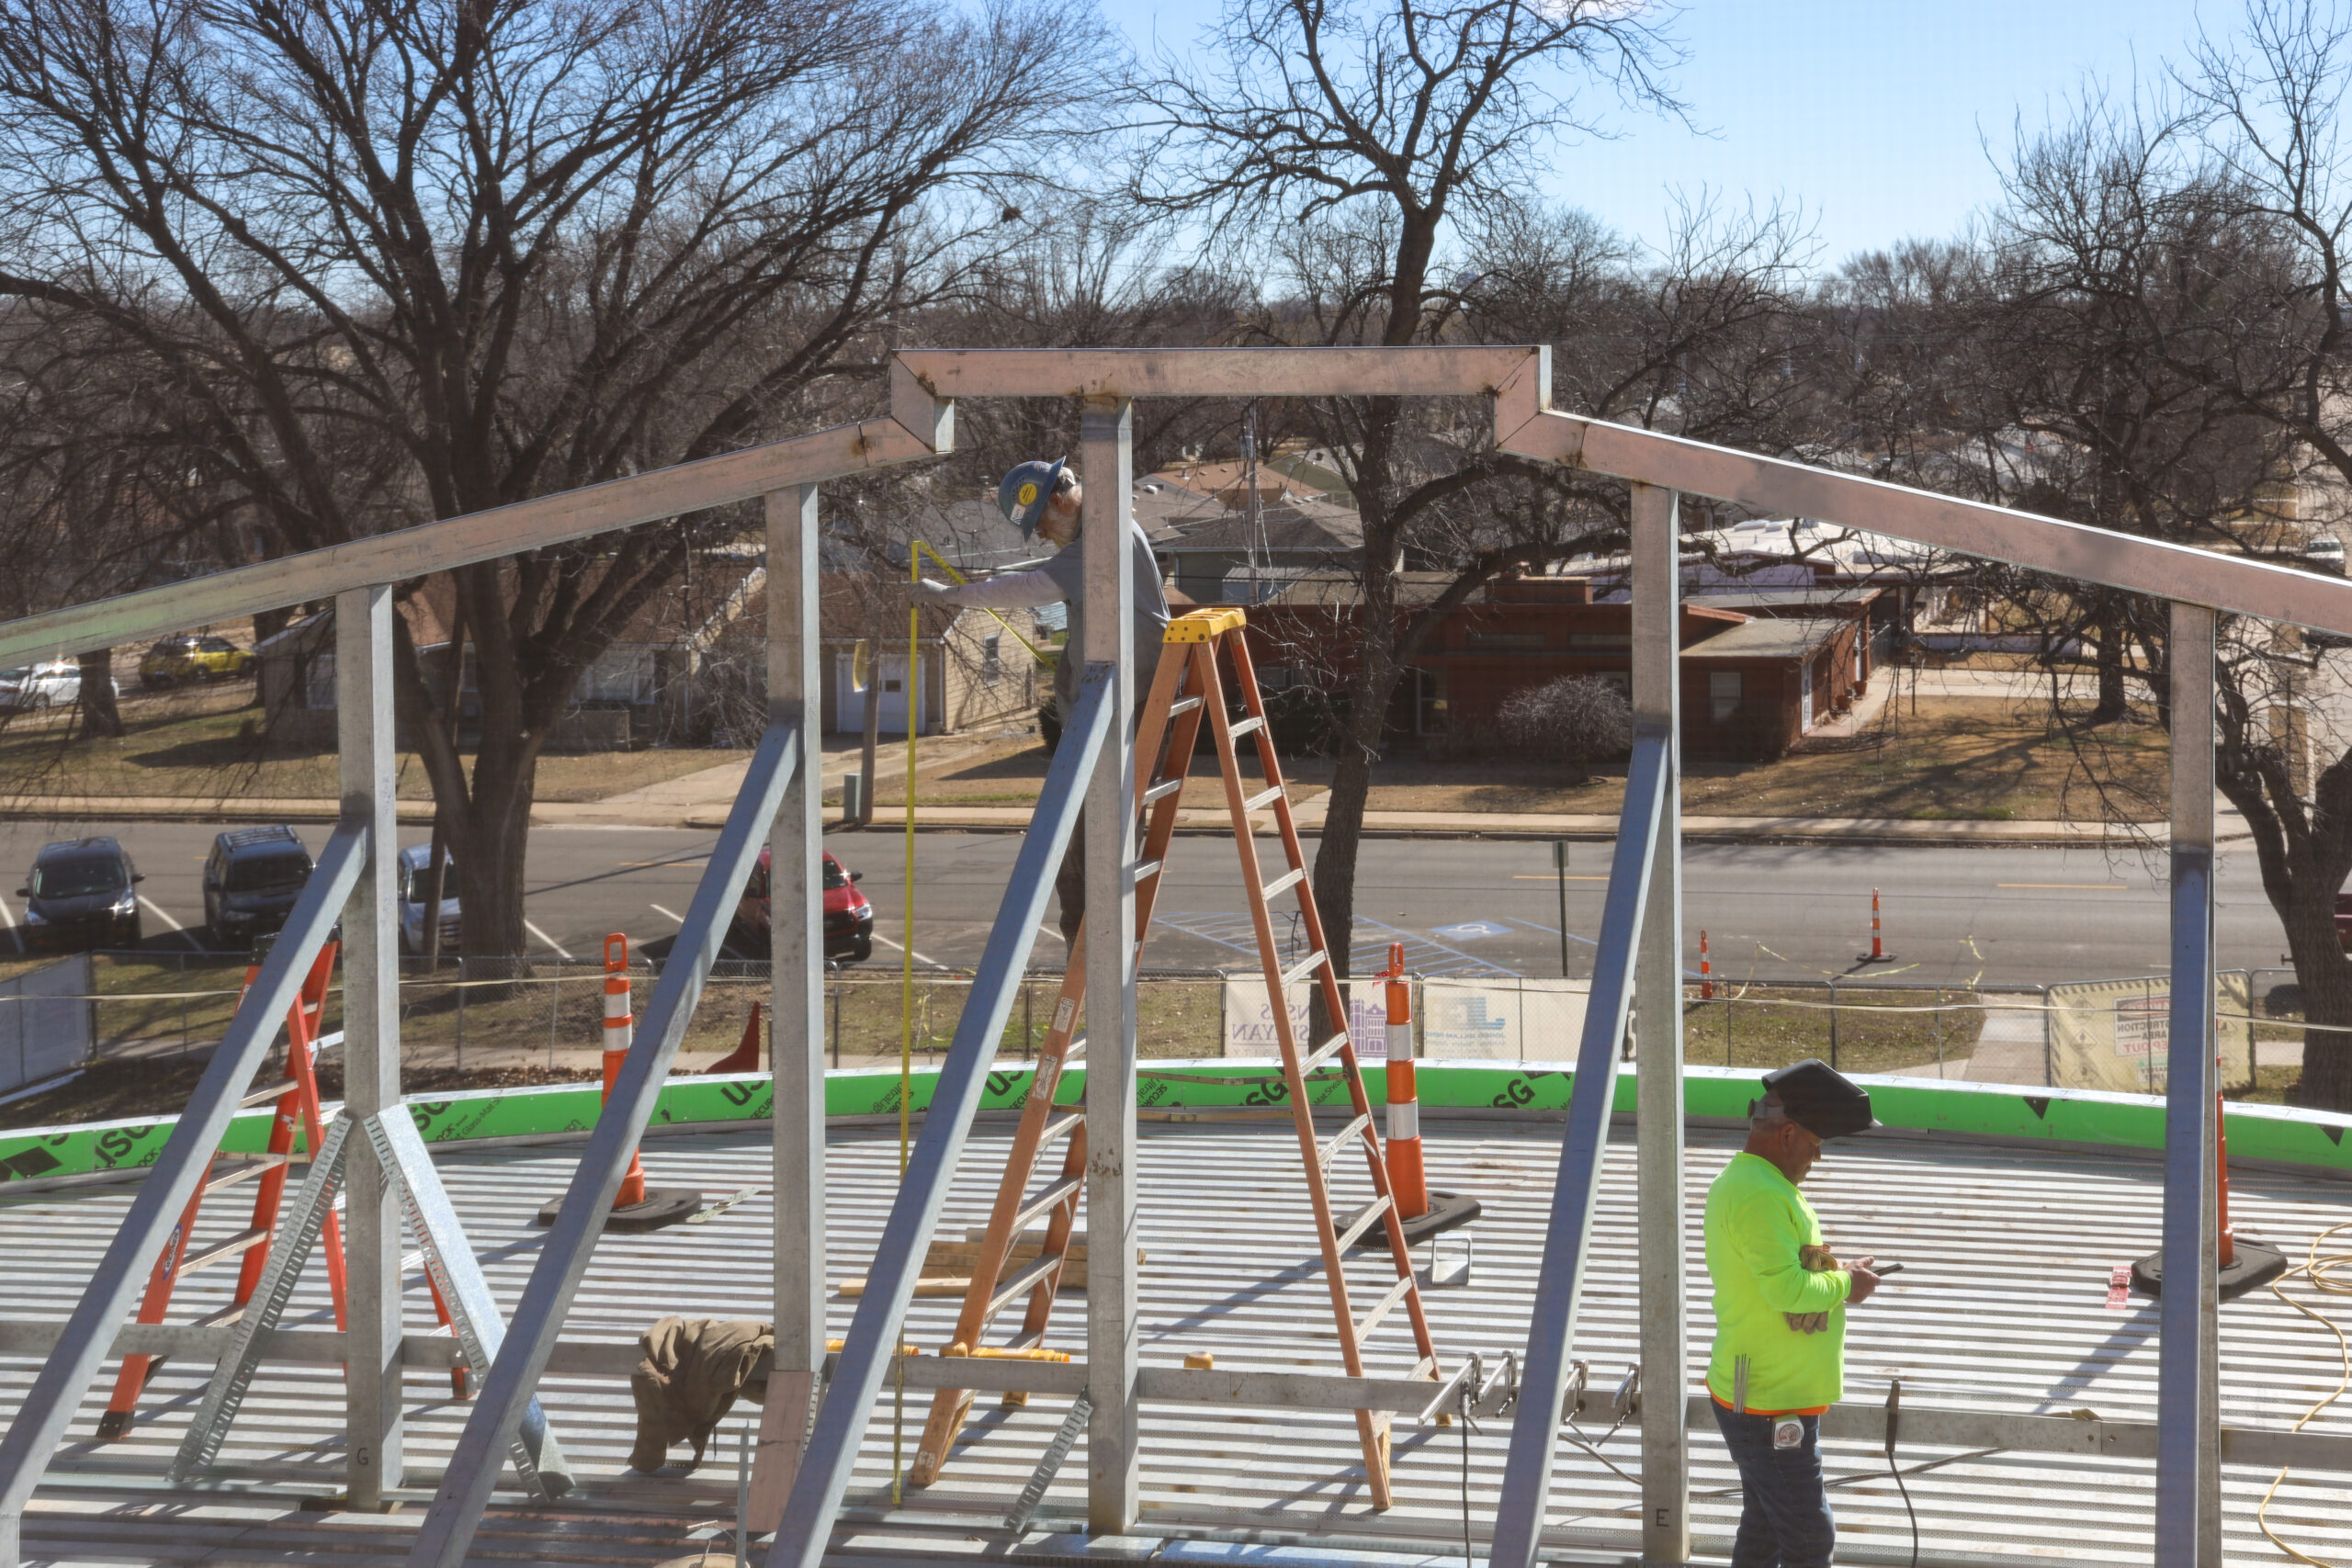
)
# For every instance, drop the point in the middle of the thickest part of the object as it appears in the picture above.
(663, 1206)
(1448, 1211)
(2252, 1264)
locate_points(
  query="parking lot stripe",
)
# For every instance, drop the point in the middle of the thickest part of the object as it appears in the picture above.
(164, 914)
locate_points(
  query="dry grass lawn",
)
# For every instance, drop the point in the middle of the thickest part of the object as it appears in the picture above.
(1961, 758)
(203, 744)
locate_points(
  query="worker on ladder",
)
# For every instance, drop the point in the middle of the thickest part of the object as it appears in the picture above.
(1045, 498)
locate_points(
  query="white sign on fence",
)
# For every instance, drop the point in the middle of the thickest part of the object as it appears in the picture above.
(1250, 1018)
(1505, 1019)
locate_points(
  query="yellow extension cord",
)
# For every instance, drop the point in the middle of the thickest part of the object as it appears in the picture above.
(2330, 1275)
(915, 552)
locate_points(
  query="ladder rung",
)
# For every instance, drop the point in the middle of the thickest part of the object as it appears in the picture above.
(1061, 1124)
(263, 1095)
(1323, 1053)
(1182, 705)
(1361, 1221)
(1287, 880)
(1022, 1281)
(1075, 1051)
(1396, 1293)
(1304, 967)
(1264, 799)
(243, 1241)
(1145, 870)
(240, 1166)
(1052, 1197)
(1247, 726)
(1162, 790)
(1339, 1140)
(222, 1317)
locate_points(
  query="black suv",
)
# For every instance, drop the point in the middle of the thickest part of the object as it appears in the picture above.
(81, 894)
(251, 881)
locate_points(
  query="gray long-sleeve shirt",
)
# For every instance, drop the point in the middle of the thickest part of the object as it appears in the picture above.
(1062, 579)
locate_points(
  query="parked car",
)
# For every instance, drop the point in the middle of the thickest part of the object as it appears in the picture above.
(2326, 553)
(81, 893)
(251, 881)
(416, 871)
(177, 660)
(31, 687)
(849, 919)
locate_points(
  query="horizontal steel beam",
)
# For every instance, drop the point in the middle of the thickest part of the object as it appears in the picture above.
(1778, 488)
(1216, 372)
(478, 537)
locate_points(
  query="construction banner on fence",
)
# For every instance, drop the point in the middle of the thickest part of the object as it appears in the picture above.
(2116, 1034)
(1250, 1018)
(1504, 1018)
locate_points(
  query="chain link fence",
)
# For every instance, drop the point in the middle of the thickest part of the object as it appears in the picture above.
(545, 1016)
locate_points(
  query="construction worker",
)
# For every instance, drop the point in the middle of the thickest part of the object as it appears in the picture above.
(1045, 499)
(1780, 1301)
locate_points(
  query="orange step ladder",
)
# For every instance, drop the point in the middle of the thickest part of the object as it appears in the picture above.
(1191, 689)
(296, 1095)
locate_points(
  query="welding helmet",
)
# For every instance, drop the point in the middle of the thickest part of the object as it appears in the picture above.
(1023, 493)
(1820, 1099)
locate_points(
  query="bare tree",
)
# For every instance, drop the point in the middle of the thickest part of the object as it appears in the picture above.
(520, 246)
(1359, 135)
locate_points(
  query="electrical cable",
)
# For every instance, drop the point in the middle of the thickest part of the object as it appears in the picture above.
(2330, 1275)
(1893, 1420)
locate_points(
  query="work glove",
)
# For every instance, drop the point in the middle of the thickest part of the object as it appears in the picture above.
(930, 592)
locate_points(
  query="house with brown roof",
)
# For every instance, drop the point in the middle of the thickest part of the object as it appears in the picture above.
(1752, 683)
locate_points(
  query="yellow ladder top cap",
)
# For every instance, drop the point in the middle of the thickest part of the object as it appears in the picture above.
(1201, 625)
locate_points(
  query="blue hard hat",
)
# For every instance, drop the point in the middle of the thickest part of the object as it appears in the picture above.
(1023, 493)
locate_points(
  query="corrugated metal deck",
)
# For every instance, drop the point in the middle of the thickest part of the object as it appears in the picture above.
(2004, 1307)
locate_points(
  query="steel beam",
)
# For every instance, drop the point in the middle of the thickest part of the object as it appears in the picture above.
(2188, 1476)
(797, 945)
(1778, 488)
(86, 1342)
(1559, 1282)
(872, 1337)
(1113, 1473)
(1657, 1034)
(1446, 371)
(478, 537)
(506, 1391)
(373, 1455)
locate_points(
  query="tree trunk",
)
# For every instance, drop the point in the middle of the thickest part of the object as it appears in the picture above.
(497, 831)
(2325, 974)
(267, 623)
(101, 719)
(1342, 835)
(2113, 702)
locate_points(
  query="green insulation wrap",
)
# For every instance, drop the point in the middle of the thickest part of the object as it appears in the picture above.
(2267, 1133)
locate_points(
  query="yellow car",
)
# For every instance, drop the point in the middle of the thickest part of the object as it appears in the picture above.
(177, 659)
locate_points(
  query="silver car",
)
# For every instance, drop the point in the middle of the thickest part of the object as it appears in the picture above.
(416, 871)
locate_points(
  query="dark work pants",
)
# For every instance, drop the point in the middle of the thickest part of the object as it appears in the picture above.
(1069, 881)
(1784, 1518)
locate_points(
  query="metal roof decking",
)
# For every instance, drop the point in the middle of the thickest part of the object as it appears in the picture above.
(2003, 1308)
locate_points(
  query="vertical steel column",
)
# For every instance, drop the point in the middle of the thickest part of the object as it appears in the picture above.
(2188, 1467)
(371, 1042)
(796, 932)
(1656, 565)
(86, 1342)
(873, 1331)
(1527, 1470)
(1106, 463)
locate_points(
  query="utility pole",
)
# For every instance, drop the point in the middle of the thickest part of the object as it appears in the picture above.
(1560, 867)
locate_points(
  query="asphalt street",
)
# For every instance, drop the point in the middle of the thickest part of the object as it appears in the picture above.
(1953, 916)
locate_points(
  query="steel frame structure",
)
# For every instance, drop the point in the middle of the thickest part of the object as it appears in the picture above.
(1637, 968)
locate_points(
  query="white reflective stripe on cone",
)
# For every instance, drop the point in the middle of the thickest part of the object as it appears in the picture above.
(1400, 1042)
(1404, 1119)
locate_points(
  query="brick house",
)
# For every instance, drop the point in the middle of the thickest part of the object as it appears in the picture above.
(1754, 679)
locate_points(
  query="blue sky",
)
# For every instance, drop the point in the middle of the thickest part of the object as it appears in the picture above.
(1875, 116)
